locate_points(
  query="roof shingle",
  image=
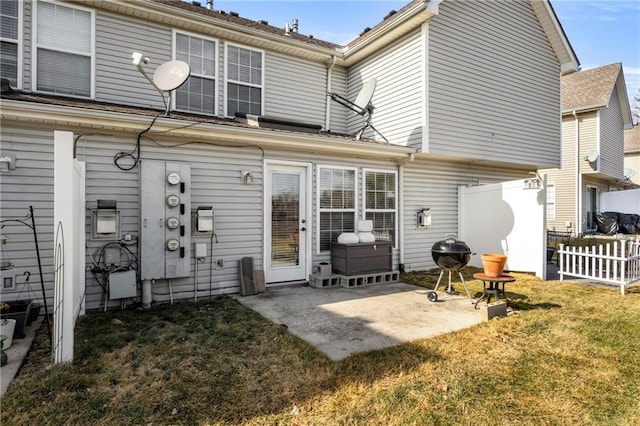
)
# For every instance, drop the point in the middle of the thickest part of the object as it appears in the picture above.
(590, 88)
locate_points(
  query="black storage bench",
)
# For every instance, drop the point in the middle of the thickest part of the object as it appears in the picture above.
(361, 258)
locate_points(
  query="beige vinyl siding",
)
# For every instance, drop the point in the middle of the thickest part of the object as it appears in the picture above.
(588, 140)
(434, 184)
(399, 95)
(30, 184)
(564, 178)
(632, 161)
(494, 89)
(612, 139)
(117, 79)
(295, 89)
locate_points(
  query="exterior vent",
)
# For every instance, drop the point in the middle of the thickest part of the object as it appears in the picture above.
(389, 15)
(366, 30)
(263, 22)
(236, 14)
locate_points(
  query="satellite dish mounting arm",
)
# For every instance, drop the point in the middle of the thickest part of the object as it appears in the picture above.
(361, 106)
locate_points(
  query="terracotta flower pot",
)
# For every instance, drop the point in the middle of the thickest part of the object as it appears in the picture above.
(493, 264)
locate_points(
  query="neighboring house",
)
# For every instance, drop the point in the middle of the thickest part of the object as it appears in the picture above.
(467, 93)
(632, 154)
(595, 112)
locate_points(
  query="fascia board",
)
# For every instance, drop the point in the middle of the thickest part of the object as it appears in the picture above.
(103, 121)
(389, 31)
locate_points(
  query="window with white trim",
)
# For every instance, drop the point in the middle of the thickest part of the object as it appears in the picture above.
(198, 93)
(380, 203)
(10, 16)
(244, 80)
(551, 202)
(336, 204)
(64, 49)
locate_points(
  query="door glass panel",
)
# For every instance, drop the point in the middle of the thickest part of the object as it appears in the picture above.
(285, 220)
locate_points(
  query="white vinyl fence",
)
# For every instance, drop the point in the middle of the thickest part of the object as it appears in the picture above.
(617, 263)
(69, 217)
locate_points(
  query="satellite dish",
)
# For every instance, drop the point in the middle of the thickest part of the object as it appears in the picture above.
(171, 75)
(364, 96)
(362, 105)
(591, 156)
(629, 173)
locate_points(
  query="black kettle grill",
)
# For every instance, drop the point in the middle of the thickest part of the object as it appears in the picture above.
(450, 255)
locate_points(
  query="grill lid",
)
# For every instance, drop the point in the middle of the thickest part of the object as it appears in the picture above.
(450, 245)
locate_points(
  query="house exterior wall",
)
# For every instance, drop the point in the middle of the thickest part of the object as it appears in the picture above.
(564, 179)
(612, 139)
(632, 161)
(294, 88)
(434, 184)
(399, 96)
(215, 181)
(494, 90)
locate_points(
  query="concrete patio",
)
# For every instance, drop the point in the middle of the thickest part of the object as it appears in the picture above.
(343, 321)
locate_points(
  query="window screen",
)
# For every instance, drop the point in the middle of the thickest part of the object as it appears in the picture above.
(380, 204)
(9, 43)
(197, 94)
(244, 80)
(337, 193)
(64, 37)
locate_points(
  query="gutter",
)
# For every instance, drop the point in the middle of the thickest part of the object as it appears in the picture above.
(105, 121)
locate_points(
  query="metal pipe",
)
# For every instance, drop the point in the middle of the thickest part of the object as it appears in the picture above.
(44, 294)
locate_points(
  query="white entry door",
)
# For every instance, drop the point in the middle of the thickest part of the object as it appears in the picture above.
(286, 225)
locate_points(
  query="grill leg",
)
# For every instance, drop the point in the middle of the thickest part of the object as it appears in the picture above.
(439, 278)
(464, 284)
(449, 288)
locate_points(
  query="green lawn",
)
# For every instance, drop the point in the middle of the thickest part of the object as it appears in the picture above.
(569, 355)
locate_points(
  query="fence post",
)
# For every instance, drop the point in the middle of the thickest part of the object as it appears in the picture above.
(561, 260)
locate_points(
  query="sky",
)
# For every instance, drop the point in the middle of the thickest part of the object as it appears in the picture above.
(601, 32)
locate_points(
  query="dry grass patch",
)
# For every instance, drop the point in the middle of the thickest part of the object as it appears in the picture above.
(568, 355)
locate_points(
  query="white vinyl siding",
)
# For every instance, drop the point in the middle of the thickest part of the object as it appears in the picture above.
(494, 89)
(198, 93)
(337, 197)
(381, 203)
(399, 97)
(551, 202)
(64, 49)
(10, 41)
(244, 77)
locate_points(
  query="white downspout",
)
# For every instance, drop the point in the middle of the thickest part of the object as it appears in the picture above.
(578, 227)
(401, 207)
(327, 116)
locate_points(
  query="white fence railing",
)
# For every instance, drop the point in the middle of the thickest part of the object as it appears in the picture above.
(617, 263)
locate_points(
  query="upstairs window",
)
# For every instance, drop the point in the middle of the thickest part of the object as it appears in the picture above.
(244, 80)
(380, 203)
(198, 93)
(337, 204)
(64, 49)
(10, 24)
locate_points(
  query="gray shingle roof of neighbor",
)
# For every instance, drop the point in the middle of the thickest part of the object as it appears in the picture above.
(632, 139)
(590, 88)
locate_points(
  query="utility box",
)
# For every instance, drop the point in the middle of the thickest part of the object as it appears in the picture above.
(122, 285)
(361, 258)
(165, 220)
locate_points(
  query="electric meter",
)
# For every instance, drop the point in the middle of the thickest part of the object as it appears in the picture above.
(173, 222)
(173, 200)
(173, 244)
(173, 178)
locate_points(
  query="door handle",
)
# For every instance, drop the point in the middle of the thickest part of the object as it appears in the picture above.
(303, 229)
